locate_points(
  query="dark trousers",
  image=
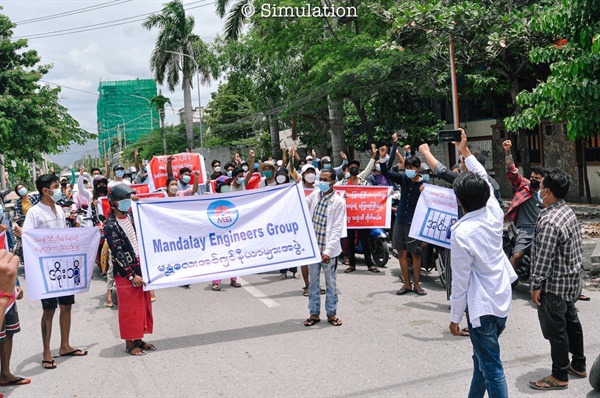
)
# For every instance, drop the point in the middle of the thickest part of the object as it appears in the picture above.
(363, 237)
(561, 327)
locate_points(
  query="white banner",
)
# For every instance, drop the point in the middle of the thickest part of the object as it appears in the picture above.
(59, 261)
(202, 238)
(436, 211)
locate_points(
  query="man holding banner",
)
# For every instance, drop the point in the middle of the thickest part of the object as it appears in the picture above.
(46, 214)
(328, 216)
(135, 305)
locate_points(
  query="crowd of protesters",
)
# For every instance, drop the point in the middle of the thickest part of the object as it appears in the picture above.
(479, 273)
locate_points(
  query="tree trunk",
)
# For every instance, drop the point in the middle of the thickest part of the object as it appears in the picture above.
(586, 180)
(274, 130)
(364, 121)
(161, 114)
(336, 120)
(187, 107)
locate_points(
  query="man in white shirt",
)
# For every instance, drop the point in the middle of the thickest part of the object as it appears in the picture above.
(46, 214)
(481, 275)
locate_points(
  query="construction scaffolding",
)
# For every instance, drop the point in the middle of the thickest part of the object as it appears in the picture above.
(124, 113)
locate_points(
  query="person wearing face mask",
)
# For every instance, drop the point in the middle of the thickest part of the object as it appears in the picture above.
(410, 185)
(238, 180)
(185, 177)
(328, 211)
(556, 264)
(83, 195)
(119, 172)
(282, 177)
(525, 205)
(267, 169)
(128, 176)
(325, 163)
(352, 176)
(173, 187)
(216, 166)
(24, 203)
(65, 188)
(135, 305)
(309, 176)
(44, 215)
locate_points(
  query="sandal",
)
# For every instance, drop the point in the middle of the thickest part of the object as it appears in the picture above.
(146, 346)
(216, 287)
(139, 353)
(52, 364)
(547, 385)
(420, 292)
(235, 284)
(305, 293)
(311, 321)
(282, 277)
(583, 297)
(374, 270)
(577, 373)
(335, 321)
(464, 332)
(350, 269)
(403, 291)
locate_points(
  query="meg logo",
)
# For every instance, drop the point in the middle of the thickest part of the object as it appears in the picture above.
(222, 213)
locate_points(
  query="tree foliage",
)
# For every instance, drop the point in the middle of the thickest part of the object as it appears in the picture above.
(32, 120)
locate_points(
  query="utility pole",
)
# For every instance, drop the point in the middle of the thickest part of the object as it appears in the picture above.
(2, 170)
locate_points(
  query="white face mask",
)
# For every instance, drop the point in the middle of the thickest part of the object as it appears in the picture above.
(217, 169)
(173, 190)
(310, 178)
(280, 179)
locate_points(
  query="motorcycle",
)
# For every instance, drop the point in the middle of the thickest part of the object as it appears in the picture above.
(509, 239)
(380, 250)
(435, 257)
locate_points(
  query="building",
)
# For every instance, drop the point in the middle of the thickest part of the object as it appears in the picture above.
(195, 115)
(124, 113)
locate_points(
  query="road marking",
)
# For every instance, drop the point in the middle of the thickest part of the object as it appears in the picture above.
(258, 294)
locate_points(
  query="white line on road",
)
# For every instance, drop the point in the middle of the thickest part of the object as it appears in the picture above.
(258, 294)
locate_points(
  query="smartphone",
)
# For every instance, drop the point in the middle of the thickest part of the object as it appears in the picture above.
(449, 136)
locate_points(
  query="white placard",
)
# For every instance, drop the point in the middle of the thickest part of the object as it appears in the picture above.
(436, 211)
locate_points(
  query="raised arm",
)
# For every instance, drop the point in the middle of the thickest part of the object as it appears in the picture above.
(196, 178)
(73, 181)
(512, 172)
(251, 164)
(393, 151)
(107, 172)
(367, 171)
(170, 166)
(136, 162)
(339, 169)
(80, 187)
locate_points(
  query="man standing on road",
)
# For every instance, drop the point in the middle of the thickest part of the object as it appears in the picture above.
(46, 214)
(135, 305)
(327, 210)
(556, 261)
(481, 275)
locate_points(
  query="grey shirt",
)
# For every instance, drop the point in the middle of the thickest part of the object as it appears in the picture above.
(528, 213)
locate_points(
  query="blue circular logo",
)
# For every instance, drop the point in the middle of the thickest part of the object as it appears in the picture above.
(222, 213)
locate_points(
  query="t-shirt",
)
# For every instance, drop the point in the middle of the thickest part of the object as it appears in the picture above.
(112, 183)
(528, 213)
(264, 183)
(41, 216)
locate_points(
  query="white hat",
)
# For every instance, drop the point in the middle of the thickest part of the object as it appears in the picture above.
(279, 163)
(307, 167)
(309, 158)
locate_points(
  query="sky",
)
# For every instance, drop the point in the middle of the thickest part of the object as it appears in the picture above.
(119, 52)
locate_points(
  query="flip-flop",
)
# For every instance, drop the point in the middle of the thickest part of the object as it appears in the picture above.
(420, 292)
(305, 293)
(19, 381)
(140, 353)
(583, 297)
(146, 346)
(572, 371)
(52, 364)
(464, 332)
(235, 284)
(403, 291)
(550, 385)
(74, 353)
(374, 270)
(350, 269)
(311, 322)
(335, 321)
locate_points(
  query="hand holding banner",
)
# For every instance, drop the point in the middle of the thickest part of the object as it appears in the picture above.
(157, 168)
(436, 212)
(59, 261)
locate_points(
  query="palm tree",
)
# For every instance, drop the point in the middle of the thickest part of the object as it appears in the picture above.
(160, 101)
(236, 18)
(175, 38)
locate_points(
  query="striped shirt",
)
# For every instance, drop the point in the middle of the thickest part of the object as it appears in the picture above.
(556, 252)
(125, 224)
(319, 220)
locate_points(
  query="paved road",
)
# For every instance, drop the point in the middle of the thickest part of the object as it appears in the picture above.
(231, 343)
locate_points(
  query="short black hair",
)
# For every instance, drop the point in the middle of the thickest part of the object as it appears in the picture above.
(212, 164)
(538, 170)
(185, 170)
(95, 169)
(169, 181)
(229, 164)
(237, 171)
(45, 181)
(331, 173)
(478, 155)
(17, 188)
(471, 190)
(412, 161)
(557, 181)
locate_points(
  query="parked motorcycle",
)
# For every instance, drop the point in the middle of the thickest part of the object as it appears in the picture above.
(435, 257)
(380, 250)
(509, 239)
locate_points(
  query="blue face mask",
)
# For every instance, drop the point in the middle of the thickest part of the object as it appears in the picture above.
(240, 181)
(229, 173)
(124, 205)
(120, 173)
(425, 177)
(268, 174)
(56, 195)
(326, 165)
(378, 168)
(1, 212)
(186, 178)
(539, 195)
(323, 186)
(23, 191)
(411, 173)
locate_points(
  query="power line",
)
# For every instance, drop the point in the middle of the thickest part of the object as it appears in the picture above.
(73, 12)
(102, 25)
(70, 88)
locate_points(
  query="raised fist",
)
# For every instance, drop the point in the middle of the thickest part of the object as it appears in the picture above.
(507, 145)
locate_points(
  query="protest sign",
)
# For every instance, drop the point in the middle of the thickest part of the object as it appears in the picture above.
(436, 211)
(367, 206)
(196, 239)
(59, 261)
(157, 169)
(3, 244)
(159, 194)
(140, 188)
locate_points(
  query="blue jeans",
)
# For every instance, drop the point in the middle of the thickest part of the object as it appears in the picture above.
(314, 296)
(488, 373)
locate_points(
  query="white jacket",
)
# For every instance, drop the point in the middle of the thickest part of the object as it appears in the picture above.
(336, 210)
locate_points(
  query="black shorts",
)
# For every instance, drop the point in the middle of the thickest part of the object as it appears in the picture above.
(52, 303)
(523, 241)
(401, 241)
(11, 323)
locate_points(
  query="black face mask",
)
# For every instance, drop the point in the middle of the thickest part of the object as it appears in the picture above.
(63, 184)
(101, 190)
(535, 185)
(354, 171)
